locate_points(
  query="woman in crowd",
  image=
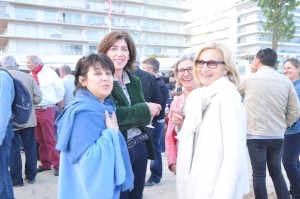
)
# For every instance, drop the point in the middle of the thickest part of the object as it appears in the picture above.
(291, 142)
(184, 76)
(94, 161)
(133, 113)
(212, 158)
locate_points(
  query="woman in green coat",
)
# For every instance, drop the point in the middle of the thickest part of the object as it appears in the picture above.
(133, 113)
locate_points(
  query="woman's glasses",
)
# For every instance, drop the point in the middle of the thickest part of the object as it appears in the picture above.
(181, 71)
(210, 64)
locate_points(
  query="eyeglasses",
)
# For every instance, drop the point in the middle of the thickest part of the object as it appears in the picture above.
(210, 64)
(182, 70)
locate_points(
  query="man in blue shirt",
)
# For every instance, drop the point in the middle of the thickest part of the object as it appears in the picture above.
(7, 94)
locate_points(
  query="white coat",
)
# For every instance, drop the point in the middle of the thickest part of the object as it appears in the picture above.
(216, 167)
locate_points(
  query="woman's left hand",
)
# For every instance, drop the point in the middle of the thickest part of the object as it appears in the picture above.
(111, 122)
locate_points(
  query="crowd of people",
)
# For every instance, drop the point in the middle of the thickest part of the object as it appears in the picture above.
(98, 127)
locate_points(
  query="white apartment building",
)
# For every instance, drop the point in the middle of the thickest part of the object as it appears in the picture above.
(61, 31)
(238, 24)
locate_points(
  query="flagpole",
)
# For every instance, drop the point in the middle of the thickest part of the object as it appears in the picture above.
(109, 16)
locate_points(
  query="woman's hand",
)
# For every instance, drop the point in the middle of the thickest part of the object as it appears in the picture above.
(177, 118)
(111, 122)
(154, 108)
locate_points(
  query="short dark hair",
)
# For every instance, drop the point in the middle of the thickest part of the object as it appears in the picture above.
(267, 56)
(86, 62)
(153, 62)
(111, 38)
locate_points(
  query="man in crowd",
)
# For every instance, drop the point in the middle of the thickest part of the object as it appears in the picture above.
(26, 132)
(272, 106)
(53, 93)
(7, 94)
(151, 65)
(65, 73)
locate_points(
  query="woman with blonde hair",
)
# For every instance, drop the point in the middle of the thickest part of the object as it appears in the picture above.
(212, 160)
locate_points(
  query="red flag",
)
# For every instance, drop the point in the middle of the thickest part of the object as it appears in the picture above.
(109, 9)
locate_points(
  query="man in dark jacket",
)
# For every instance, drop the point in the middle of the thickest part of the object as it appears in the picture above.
(151, 65)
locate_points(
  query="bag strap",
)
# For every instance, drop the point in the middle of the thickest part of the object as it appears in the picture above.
(1, 69)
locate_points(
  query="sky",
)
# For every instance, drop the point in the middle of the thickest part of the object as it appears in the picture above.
(205, 7)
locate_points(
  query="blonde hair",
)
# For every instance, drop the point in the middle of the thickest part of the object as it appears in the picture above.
(228, 58)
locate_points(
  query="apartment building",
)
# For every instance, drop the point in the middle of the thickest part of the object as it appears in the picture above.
(238, 24)
(60, 31)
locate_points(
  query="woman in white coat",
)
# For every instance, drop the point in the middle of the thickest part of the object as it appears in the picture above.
(212, 158)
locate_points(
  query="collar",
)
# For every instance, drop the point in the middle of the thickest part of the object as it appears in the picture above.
(125, 78)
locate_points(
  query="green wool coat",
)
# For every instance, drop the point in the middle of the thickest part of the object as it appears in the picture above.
(136, 115)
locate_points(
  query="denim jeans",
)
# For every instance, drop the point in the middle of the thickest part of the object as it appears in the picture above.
(290, 160)
(267, 152)
(6, 190)
(29, 144)
(138, 158)
(156, 165)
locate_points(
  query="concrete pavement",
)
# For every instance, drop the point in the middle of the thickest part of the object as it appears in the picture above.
(45, 186)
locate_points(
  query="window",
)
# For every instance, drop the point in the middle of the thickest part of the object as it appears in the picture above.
(27, 47)
(95, 20)
(114, 7)
(153, 25)
(93, 49)
(151, 51)
(155, 39)
(28, 14)
(93, 5)
(171, 27)
(173, 40)
(115, 22)
(52, 32)
(133, 10)
(151, 12)
(50, 16)
(172, 52)
(94, 35)
(71, 18)
(52, 48)
(26, 30)
(171, 14)
(72, 33)
(72, 49)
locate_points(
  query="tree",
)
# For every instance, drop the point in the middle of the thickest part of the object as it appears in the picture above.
(279, 19)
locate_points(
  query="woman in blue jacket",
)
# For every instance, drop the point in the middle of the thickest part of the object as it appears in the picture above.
(94, 161)
(291, 143)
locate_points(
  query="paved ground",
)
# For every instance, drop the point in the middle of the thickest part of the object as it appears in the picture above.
(45, 187)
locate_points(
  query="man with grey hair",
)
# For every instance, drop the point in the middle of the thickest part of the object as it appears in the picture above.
(53, 93)
(26, 132)
(151, 65)
(68, 79)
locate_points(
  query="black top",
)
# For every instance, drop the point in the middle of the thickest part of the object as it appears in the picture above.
(149, 86)
(165, 95)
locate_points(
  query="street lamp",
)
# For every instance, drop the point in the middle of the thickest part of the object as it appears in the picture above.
(140, 30)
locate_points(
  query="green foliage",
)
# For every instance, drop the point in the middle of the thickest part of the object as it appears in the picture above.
(279, 19)
(157, 56)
